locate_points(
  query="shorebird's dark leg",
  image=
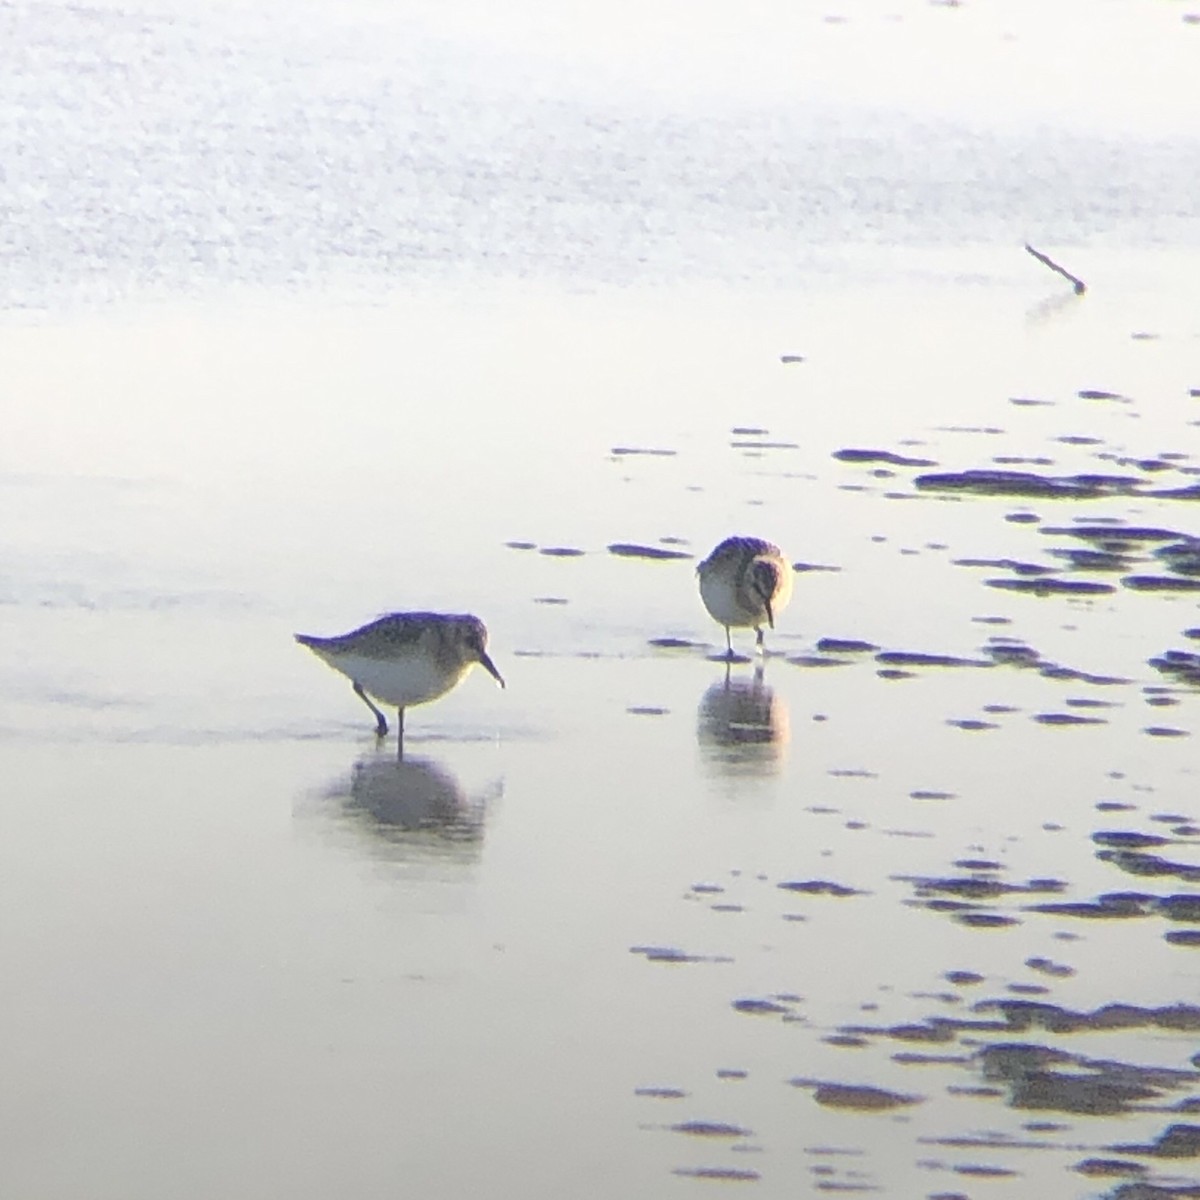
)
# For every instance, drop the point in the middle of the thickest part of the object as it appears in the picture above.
(380, 719)
(728, 645)
(761, 647)
(399, 733)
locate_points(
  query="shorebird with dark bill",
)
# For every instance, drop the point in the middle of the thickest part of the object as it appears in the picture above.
(404, 659)
(745, 583)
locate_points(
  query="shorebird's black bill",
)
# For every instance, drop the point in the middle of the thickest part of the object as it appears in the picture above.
(770, 614)
(490, 667)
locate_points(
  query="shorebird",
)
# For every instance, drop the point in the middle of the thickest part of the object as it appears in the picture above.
(405, 659)
(745, 582)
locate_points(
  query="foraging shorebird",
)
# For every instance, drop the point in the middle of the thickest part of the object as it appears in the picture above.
(405, 659)
(745, 582)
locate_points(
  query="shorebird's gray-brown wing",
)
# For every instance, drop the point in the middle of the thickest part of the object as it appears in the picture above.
(379, 639)
(745, 548)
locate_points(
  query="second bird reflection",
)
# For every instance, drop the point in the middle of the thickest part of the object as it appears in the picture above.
(742, 724)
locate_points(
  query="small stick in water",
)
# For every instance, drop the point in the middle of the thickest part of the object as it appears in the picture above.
(1078, 284)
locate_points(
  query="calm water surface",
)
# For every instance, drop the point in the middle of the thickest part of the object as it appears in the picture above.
(911, 907)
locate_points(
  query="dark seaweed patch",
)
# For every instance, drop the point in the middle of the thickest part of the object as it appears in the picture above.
(1061, 719)
(1128, 840)
(710, 1129)
(561, 551)
(1092, 560)
(727, 1174)
(906, 658)
(819, 887)
(971, 725)
(1108, 1167)
(1179, 664)
(1115, 533)
(1161, 583)
(1053, 587)
(1142, 864)
(1176, 1141)
(759, 1007)
(1005, 564)
(860, 1098)
(845, 646)
(1100, 394)
(982, 482)
(632, 550)
(670, 954)
(1023, 1015)
(881, 456)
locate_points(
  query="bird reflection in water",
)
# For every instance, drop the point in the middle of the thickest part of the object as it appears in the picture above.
(742, 725)
(414, 805)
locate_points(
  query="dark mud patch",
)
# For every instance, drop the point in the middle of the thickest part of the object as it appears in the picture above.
(852, 455)
(674, 643)
(1067, 719)
(757, 1006)
(983, 482)
(672, 955)
(562, 551)
(759, 445)
(971, 724)
(1180, 665)
(647, 710)
(1053, 587)
(521, 545)
(814, 660)
(1176, 1141)
(859, 1097)
(661, 1093)
(1101, 394)
(1144, 864)
(929, 794)
(550, 600)
(830, 645)
(1103, 1168)
(1115, 536)
(1023, 1015)
(1128, 839)
(819, 887)
(655, 553)
(648, 451)
(910, 658)
(1160, 583)
(1092, 560)
(725, 1174)
(1005, 564)
(1044, 1078)
(710, 1129)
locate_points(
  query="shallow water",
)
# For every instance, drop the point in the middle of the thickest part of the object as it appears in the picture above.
(639, 916)
(909, 907)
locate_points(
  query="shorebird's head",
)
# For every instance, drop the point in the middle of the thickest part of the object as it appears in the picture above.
(764, 583)
(474, 642)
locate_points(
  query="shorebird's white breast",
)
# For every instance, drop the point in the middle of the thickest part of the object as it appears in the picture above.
(407, 679)
(720, 597)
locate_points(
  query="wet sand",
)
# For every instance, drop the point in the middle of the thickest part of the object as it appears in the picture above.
(911, 910)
